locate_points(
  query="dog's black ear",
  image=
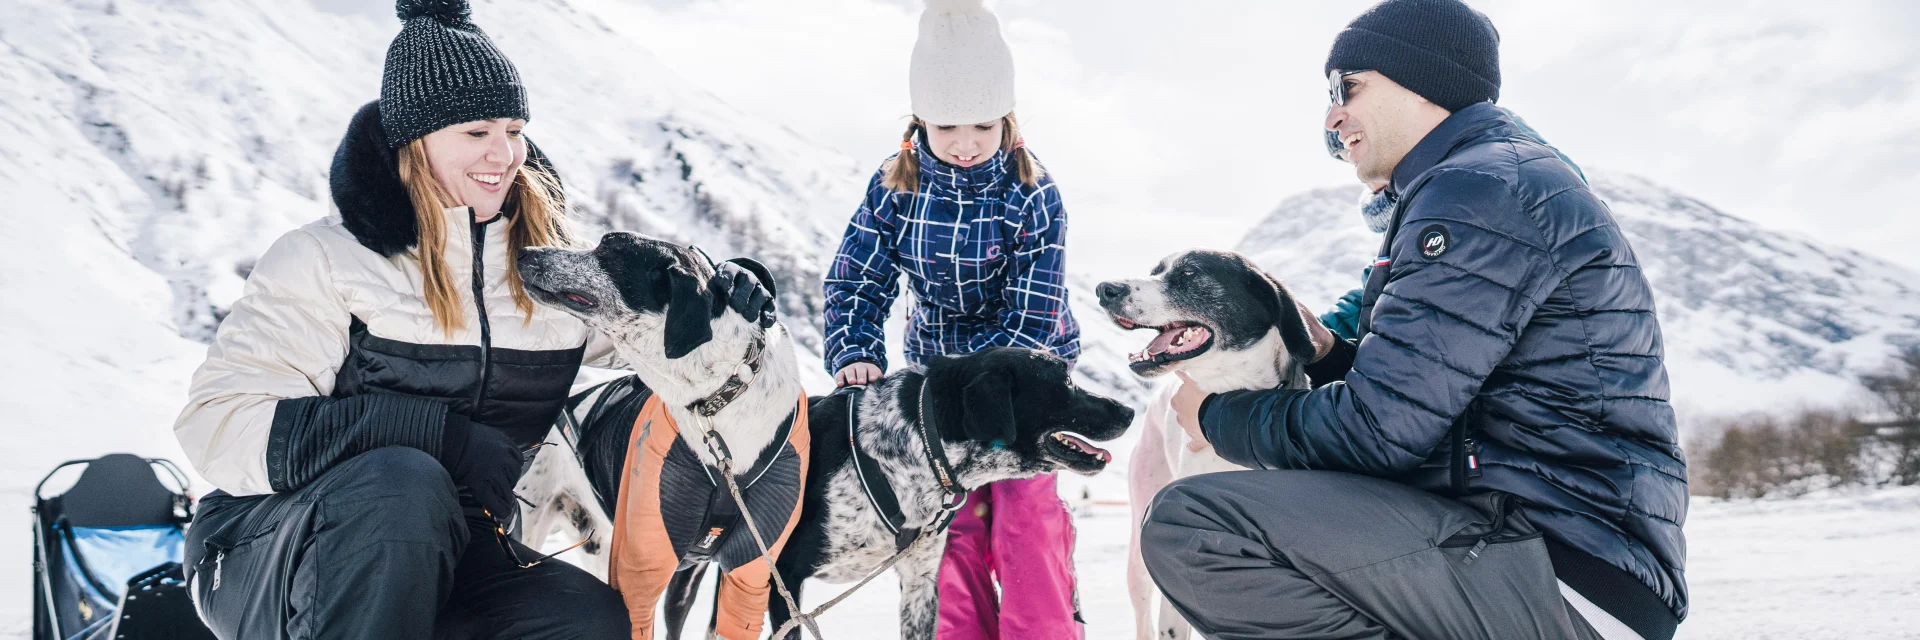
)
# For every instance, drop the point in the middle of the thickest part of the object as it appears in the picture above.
(1274, 295)
(688, 323)
(988, 413)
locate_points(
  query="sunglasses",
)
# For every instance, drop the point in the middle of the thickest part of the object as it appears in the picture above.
(1337, 86)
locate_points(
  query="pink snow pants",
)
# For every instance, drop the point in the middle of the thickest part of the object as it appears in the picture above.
(1018, 531)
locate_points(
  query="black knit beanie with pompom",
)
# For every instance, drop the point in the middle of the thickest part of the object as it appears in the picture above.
(442, 70)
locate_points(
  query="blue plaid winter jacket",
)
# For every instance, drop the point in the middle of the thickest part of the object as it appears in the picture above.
(983, 253)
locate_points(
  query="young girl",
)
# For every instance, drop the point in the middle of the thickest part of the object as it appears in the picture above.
(973, 221)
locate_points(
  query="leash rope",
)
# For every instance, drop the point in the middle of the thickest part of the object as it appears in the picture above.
(716, 445)
(724, 457)
(808, 617)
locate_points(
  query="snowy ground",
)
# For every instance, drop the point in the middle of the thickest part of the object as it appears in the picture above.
(1825, 567)
(1832, 566)
(1840, 566)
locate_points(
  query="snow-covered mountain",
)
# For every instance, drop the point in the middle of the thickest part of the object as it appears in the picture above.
(1752, 317)
(190, 134)
(152, 149)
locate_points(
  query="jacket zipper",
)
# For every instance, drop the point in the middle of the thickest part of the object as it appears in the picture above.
(1478, 543)
(480, 306)
(1466, 459)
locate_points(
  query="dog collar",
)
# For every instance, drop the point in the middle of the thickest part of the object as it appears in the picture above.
(735, 385)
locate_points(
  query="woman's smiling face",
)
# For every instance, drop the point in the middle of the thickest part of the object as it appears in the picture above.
(965, 145)
(476, 162)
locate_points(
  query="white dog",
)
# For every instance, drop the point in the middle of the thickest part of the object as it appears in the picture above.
(1229, 326)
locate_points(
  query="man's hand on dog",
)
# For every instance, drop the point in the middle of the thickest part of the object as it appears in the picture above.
(1186, 406)
(1322, 337)
(742, 292)
(858, 373)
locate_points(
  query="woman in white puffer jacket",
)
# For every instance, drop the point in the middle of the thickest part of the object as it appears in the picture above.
(365, 406)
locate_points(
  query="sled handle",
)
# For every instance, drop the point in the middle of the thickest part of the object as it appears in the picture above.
(173, 470)
(179, 477)
(37, 498)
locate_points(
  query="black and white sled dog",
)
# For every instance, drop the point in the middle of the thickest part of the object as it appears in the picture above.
(873, 485)
(1229, 326)
(649, 296)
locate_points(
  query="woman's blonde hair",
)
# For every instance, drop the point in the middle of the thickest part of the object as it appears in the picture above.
(903, 172)
(536, 210)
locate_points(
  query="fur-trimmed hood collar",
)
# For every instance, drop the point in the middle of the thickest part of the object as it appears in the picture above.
(366, 188)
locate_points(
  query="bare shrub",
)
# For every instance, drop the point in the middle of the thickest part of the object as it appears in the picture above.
(1898, 390)
(1761, 455)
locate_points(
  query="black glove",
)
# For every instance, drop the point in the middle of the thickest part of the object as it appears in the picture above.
(484, 464)
(746, 287)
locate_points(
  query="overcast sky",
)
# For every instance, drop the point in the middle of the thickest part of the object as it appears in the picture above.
(1177, 124)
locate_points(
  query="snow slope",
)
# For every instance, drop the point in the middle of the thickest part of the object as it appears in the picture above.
(1752, 317)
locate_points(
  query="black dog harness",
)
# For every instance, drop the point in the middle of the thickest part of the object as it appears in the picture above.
(773, 502)
(880, 493)
(700, 524)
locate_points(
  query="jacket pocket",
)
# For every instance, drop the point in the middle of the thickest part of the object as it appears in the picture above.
(1499, 524)
(228, 565)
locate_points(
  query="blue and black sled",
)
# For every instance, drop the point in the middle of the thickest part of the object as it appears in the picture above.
(106, 554)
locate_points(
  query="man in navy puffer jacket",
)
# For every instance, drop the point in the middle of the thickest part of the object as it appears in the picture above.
(1495, 456)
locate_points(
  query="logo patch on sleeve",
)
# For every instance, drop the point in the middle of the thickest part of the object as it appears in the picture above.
(1435, 240)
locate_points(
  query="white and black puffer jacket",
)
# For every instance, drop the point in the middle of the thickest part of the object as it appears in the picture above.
(332, 351)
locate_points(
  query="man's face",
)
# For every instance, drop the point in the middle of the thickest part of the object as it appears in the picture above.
(1380, 122)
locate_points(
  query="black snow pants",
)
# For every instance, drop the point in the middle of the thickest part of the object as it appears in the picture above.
(377, 548)
(1322, 554)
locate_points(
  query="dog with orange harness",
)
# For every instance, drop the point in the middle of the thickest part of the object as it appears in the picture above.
(713, 392)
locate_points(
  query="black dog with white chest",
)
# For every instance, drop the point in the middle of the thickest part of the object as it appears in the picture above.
(873, 486)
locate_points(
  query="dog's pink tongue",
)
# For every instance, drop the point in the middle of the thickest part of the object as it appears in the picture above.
(1178, 339)
(1164, 342)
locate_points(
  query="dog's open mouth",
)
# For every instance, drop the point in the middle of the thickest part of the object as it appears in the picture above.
(1076, 452)
(571, 299)
(1177, 341)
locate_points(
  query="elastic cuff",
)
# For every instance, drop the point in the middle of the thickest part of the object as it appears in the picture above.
(1204, 403)
(847, 362)
(453, 437)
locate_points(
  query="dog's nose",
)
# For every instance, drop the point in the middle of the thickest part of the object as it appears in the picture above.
(1110, 291)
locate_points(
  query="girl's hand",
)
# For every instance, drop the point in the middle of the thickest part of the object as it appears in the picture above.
(858, 373)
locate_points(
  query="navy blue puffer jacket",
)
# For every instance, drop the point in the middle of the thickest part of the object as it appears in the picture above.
(1513, 326)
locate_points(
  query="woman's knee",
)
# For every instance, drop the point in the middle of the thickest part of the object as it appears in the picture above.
(598, 612)
(397, 491)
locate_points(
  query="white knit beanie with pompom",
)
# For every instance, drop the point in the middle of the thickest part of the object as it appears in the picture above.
(962, 70)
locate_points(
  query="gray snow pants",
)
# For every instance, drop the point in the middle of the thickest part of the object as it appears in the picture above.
(1322, 554)
(377, 547)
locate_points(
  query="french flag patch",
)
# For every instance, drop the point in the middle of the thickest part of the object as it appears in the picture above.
(1382, 261)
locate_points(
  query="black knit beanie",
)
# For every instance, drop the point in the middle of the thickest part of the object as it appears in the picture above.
(1441, 49)
(442, 70)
